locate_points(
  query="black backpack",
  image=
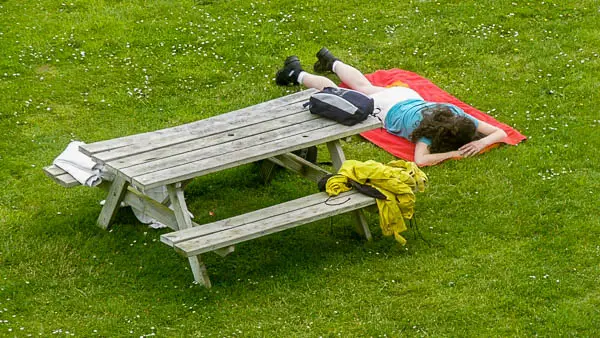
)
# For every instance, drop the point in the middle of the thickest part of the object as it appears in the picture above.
(345, 106)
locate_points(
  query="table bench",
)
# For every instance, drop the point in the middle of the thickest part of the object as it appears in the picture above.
(222, 235)
(172, 157)
(60, 176)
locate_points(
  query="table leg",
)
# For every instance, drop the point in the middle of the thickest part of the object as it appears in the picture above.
(338, 158)
(167, 201)
(184, 222)
(299, 165)
(116, 192)
(337, 154)
(266, 170)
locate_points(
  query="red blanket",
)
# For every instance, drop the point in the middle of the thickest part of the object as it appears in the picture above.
(403, 148)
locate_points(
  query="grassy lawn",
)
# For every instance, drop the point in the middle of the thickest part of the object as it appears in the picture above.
(511, 238)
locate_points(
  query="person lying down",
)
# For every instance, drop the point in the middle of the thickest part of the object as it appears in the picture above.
(439, 130)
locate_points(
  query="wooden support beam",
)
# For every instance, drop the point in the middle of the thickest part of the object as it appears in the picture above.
(115, 195)
(299, 165)
(338, 158)
(337, 154)
(185, 222)
(266, 170)
(152, 208)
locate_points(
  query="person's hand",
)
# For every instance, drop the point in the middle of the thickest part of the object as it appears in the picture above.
(455, 154)
(471, 148)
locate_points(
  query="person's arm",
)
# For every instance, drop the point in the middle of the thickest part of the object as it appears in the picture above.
(493, 135)
(424, 157)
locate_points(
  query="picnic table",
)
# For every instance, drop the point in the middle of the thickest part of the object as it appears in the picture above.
(174, 156)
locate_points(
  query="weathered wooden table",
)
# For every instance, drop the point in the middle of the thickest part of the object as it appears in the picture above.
(172, 157)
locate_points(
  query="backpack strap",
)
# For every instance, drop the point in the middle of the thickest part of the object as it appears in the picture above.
(376, 115)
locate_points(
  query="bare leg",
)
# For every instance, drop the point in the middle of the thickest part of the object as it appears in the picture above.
(348, 74)
(316, 81)
(355, 79)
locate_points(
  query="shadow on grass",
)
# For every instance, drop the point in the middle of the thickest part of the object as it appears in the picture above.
(130, 255)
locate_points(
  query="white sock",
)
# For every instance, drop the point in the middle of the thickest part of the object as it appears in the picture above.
(301, 77)
(335, 63)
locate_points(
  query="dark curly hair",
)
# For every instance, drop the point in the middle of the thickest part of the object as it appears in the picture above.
(446, 130)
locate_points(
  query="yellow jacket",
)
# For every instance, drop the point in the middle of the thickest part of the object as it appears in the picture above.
(398, 181)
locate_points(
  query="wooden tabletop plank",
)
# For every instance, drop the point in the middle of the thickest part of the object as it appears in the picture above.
(204, 148)
(219, 123)
(209, 128)
(249, 154)
(150, 151)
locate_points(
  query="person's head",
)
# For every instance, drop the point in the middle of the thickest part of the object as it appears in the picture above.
(446, 130)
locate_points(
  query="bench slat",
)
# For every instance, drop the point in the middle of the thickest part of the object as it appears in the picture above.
(220, 123)
(60, 176)
(267, 221)
(229, 223)
(171, 174)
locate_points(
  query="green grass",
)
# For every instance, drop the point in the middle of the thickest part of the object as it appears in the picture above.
(514, 232)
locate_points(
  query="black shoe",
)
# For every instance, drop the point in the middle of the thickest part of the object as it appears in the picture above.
(325, 62)
(289, 73)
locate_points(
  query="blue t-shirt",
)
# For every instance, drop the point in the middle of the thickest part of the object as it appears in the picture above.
(405, 116)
